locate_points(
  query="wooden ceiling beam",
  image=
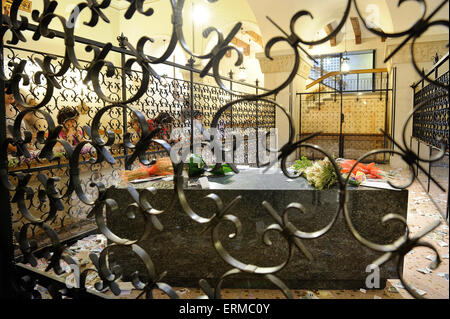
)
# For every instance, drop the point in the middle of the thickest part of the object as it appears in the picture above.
(383, 39)
(239, 43)
(256, 37)
(356, 29)
(329, 29)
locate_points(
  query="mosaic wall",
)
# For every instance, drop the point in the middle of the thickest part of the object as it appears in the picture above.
(365, 116)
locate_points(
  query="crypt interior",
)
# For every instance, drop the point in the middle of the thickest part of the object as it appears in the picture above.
(335, 113)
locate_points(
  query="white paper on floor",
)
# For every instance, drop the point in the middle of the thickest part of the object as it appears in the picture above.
(419, 291)
(425, 271)
(442, 243)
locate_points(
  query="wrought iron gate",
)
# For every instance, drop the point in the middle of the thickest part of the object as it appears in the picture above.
(114, 95)
(430, 130)
(349, 112)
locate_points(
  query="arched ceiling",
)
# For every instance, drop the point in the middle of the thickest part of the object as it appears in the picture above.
(410, 11)
(331, 11)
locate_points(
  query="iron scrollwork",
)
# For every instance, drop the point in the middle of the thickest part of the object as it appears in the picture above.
(53, 73)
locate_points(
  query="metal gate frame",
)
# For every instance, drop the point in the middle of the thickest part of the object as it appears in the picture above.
(339, 90)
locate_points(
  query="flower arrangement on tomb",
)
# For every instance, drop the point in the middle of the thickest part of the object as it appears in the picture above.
(319, 174)
(360, 173)
(370, 170)
(162, 167)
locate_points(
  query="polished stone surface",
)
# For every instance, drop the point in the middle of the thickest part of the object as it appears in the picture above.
(340, 261)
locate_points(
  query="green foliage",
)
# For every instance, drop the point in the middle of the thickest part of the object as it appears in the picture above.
(12, 162)
(301, 165)
(329, 175)
(320, 174)
(223, 170)
(196, 166)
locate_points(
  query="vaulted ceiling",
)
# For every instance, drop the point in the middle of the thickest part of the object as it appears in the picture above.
(330, 12)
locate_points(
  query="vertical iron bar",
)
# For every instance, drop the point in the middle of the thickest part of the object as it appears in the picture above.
(374, 74)
(357, 86)
(257, 125)
(191, 99)
(341, 136)
(418, 155)
(121, 40)
(335, 87)
(381, 86)
(436, 73)
(300, 126)
(319, 95)
(386, 115)
(410, 146)
(429, 170)
(394, 105)
(231, 97)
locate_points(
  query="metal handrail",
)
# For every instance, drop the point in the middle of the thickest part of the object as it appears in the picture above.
(319, 80)
(433, 69)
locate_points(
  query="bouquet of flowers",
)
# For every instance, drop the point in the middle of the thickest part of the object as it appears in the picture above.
(355, 179)
(370, 170)
(162, 167)
(319, 174)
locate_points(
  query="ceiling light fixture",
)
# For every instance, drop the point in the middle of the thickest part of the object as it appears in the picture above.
(345, 66)
(242, 75)
(345, 61)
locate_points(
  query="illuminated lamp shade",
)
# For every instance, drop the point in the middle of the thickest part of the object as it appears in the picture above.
(345, 67)
(242, 75)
